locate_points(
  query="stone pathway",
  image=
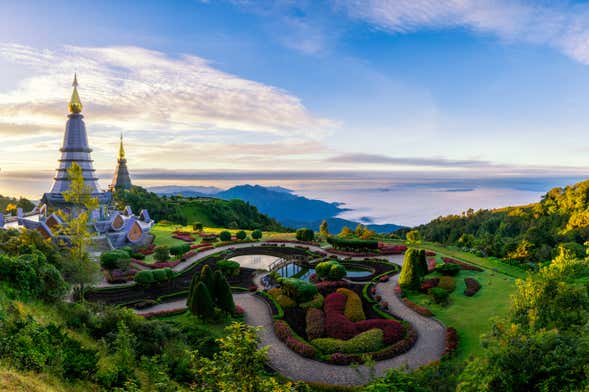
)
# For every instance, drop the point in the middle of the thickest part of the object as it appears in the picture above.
(429, 346)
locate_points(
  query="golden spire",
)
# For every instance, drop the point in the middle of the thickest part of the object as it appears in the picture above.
(75, 105)
(121, 149)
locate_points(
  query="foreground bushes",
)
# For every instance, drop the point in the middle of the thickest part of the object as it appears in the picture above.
(147, 277)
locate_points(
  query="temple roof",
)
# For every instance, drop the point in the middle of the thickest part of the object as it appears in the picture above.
(75, 105)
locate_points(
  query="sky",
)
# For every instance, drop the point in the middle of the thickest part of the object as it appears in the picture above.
(210, 91)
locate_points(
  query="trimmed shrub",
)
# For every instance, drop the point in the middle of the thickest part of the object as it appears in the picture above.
(336, 324)
(228, 267)
(425, 312)
(316, 302)
(144, 277)
(448, 269)
(297, 289)
(202, 304)
(285, 301)
(365, 342)
(180, 249)
(300, 347)
(421, 262)
(315, 323)
(159, 275)
(110, 260)
(330, 269)
(256, 234)
(451, 341)
(462, 264)
(222, 295)
(282, 330)
(439, 295)
(162, 253)
(353, 310)
(305, 234)
(472, 287)
(241, 235)
(392, 330)
(447, 283)
(410, 272)
(352, 244)
(197, 226)
(207, 277)
(225, 236)
(428, 284)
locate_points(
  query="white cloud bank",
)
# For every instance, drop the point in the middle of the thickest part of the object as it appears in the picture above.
(559, 24)
(138, 89)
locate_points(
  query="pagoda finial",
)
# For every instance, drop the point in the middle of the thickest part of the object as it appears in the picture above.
(75, 105)
(121, 149)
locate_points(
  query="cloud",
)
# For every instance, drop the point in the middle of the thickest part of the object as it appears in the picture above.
(137, 89)
(561, 25)
(386, 160)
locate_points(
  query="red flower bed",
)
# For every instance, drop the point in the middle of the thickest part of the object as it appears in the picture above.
(162, 264)
(239, 311)
(351, 254)
(199, 246)
(462, 264)
(183, 236)
(398, 348)
(384, 279)
(148, 250)
(294, 242)
(300, 347)
(207, 236)
(253, 288)
(188, 255)
(393, 249)
(336, 324)
(430, 253)
(417, 308)
(398, 291)
(118, 276)
(393, 330)
(451, 341)
(472, 287)
(330, 285)
(163, 313)
(429, 284)
(206, 248)
(282, 330)
(431, 264)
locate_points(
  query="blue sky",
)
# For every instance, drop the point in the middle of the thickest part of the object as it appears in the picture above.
(443, 88)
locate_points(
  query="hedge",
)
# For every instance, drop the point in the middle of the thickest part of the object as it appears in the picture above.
(298, 289)
(276, 308)
(315, 323)
(330, 269)
(448, 269)
(353, 310)
(144, 277)
(179, 249)
(228, 267)
(110, 260)
(350, 244)
(305, 234)
(365, 342)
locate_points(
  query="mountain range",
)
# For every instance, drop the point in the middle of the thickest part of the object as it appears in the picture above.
(289, 209)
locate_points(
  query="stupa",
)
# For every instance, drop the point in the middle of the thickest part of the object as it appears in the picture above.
(121, 179)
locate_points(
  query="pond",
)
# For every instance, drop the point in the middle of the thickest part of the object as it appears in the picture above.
(259, 262)
(296, 271)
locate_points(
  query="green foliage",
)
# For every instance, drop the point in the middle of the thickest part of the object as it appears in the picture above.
(257, 234)
(305, 234)
(160, 274)
(410, 277)
(197, 226)
(439, 295)
(353, 310)
(201, 304)
(225, 236)
(297, 289)
(316, 302)
(208, 278)
(365, 342)
(109, 260)
(179, 250)
(447, 283)
(241, 235)
(353, 244)
(331, 270)
(324, 229)
(448, 269)
(412, 237)
(162, 253)
(223, 296)
(144, 277)
(228, 267)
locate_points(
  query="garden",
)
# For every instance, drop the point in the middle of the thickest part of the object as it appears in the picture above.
(332, 319)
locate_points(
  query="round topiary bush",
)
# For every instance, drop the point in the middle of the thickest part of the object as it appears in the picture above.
(256, 234)
(144, 277)
(241, 235)
(110, 260)
(180, 249)
(228, 267)
(305, 234)
(225, 236)
(331, 270)
(162, 253)
(159, 275)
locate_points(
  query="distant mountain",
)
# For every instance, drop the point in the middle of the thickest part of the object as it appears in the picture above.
(280, 203)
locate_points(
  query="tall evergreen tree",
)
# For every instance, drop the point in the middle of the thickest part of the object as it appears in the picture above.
(421, 262)
(410, 272)
(208, 278)
(201, 303)
(324, 229)
(223, 296)
(191, 289)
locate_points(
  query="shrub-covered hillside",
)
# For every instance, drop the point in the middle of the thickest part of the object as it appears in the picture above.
(208, 211)
(526, 233)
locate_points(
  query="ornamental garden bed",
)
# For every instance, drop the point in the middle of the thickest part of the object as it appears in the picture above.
(334, 321)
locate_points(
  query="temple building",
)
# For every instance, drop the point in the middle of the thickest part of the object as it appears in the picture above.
(75, 149)
(109, 228)
(121, 179)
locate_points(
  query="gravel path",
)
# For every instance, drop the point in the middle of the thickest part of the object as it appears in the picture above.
(429, 346)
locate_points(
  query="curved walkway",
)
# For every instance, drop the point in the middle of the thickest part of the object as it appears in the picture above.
(429, 346)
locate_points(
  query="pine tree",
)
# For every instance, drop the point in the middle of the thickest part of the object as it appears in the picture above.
(324, 229)
(223, 296)
(201, 303)
(193, 283)
(410, 274)
(208, 278)
(421, 262)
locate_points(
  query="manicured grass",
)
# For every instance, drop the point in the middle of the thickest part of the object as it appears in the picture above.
(217, 330)
(471, 316)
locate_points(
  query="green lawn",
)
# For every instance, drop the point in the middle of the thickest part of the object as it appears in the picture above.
(186, 319)
(471, 316)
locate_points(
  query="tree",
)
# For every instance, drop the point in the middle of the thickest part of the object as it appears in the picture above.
(192, 290)
(346, 232)
(79, 269)
(256, 234)
(225, 236)
(413, 237)
(421, 262)
(359, 230)
(223, 296)
(324, 229)
(522, 253)
(197, 226)
(208, 278)
(241, 235)
(238, 366)
(305, 234)
(201, 304)
(410, 271)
